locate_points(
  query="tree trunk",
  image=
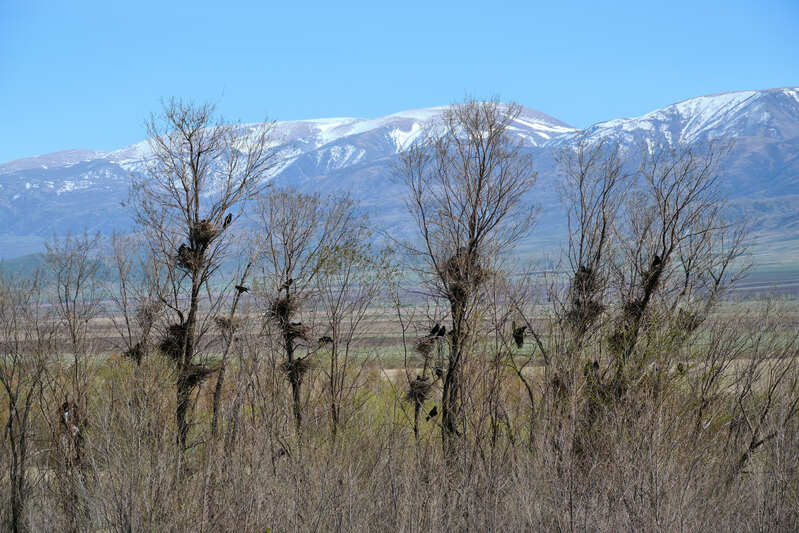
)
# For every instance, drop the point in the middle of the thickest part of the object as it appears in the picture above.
(450, 399)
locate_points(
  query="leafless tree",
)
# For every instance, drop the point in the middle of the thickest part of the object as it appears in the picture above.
(346, 287)
(466, 180)
(297, 236)
(676, 245)
(595, 186)
(134, 307)
(27, 335)
(199, 177)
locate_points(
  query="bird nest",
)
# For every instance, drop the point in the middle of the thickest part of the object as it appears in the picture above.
(297, 330)
(202, 233)
(584, 312)
(296, 369)
(172, 342)
(136, 352)
(463, 274)
(419, 390)
(147, 314)
(464, 268)
(194, 375)
(281, 310)
(425, 345)
(189, 258)
(227, 324)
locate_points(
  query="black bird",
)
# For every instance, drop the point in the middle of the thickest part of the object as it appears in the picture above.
(518, 335)
(435, 329)
(442, 331)
(432, 414)
(228, 220)
(326, 339)
(656, 261)
(242, 288)
(438, 371)
(286, 284)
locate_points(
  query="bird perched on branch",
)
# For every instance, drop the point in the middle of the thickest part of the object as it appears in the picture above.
(518, 334)
(286, 284)
(242, 288)
(442, 331)
(228, 220)
(326, 339)
(435, 329)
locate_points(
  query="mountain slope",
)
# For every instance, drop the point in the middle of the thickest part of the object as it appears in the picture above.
(81, 189)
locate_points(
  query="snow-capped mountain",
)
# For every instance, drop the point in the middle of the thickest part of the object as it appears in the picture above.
(767, 114)
(82, 189)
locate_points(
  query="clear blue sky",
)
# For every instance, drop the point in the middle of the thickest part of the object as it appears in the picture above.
(77, 74)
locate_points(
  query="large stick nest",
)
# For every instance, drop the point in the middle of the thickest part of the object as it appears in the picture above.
(425, 345)
(202, 233)
(281, 310)
(419, 390)
(585, 306)
(297, 330)
(464, 274)
(173, 341)
(296, 369)
(136, 352)
(194, 375)
(189, 258)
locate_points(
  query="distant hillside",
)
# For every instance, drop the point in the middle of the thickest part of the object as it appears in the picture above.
(78, 190)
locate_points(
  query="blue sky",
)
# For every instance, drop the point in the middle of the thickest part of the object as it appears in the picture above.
(86, 74)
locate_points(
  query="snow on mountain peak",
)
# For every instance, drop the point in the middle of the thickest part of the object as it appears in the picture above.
(768, 113)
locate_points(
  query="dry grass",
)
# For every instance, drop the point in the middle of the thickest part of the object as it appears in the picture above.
(664, 458)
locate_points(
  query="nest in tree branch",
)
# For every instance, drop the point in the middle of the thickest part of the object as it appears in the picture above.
(194, 375)
(189, 258)
(463, 274)
(172, 342)
(419, 390)
(295, 370)
(202, 233)
(584, 312)
(281, 310)
(425, 345)
(136, 352)
(297, 330)
(226, 324)
(585, 308)
(147, 313)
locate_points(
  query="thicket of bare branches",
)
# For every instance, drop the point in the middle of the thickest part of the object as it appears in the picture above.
(622, 392)
(466, 179)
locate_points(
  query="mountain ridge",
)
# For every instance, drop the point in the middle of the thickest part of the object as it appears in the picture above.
(76, 189)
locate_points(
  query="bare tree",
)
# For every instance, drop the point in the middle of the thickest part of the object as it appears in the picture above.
(27, 334)
(466, 181)
(297, 235)
(676, 245)
(346, 288)
(134, 304)
(200, 175)
(595, 186)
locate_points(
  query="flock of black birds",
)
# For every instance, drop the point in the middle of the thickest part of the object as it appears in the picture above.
(439, 331)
